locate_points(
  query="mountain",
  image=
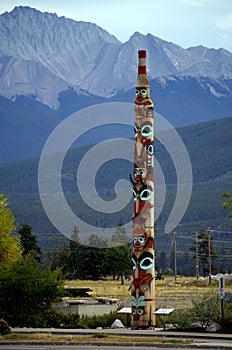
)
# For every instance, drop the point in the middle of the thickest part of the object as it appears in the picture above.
(42, 55)
(51, 67)
(46, 53)
(186, 100)
(26, 123)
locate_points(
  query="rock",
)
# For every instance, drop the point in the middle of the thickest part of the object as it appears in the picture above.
(214, 327)
(195, 326)
(117, 324)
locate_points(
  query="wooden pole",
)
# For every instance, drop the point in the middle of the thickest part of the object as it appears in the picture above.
(175, 267)
(143, 284)
(209, 255)
(197, 257)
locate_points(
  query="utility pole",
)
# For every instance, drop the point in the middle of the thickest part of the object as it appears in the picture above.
(175, 267)
(197, 257)
(209, 254)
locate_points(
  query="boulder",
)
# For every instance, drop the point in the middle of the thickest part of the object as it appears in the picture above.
(117, 324)
(196, 326)
(213, 328)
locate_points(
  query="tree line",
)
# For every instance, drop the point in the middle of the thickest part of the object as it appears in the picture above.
(31, 280)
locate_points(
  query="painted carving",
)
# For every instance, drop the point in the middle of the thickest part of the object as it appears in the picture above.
(143, 285)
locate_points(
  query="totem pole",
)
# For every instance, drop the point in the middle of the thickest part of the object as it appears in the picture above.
(143, 284)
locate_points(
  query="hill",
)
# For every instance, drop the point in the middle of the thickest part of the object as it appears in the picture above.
(209, 146)
(23, 131)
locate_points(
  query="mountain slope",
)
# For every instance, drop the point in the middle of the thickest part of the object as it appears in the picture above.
(186, 100)
(181, 100)
(50, 62)
(57, 47)
(85, 57)
(209, 146)
(23, 131)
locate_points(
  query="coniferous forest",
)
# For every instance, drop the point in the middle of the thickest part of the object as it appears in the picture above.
(209, 145)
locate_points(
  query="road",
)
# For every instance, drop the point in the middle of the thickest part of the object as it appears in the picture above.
(81, 347)
(92, 347)
(214, 345)
(200, 341)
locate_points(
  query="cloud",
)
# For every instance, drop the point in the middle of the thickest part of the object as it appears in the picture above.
(225, 23)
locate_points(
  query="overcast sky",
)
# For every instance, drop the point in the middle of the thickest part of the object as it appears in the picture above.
(184, 22)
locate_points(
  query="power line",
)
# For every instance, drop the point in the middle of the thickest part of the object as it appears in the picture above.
(221, 231)
(222, 241)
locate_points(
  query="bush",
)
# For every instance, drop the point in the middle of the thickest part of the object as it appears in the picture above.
(179, 318)
(57, 319)
(72, 320)
(28, 291)
(104, 321)
(227, 320)
(206, 309)
(4, 327)
(53, 318)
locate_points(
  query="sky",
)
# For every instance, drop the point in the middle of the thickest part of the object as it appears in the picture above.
(184, 22)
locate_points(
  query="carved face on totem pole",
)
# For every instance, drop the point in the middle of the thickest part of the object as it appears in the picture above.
(142, 240)
(143, 96)
(143, 275)
(143, 129)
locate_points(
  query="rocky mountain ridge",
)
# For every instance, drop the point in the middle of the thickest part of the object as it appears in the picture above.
(42, 55)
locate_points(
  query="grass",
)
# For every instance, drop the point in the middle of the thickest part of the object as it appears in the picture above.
(168, 294)
(108, 288)
(100, 337)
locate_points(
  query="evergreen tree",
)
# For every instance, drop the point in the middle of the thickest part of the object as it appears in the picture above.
(85, 262)
(75, 255)
(118, 261)
(29, 242)
(118, 255)
(202, 246)
(92, 262)
(58, 254)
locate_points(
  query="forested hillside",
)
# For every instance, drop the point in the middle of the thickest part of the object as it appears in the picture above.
(209, 146)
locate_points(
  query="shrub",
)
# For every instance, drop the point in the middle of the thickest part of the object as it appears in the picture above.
(72, 320)
(227, 320)
(179, 318)
(4, 327)
(206, 309)
(104, 321)
(53, 318)
(28, 291)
